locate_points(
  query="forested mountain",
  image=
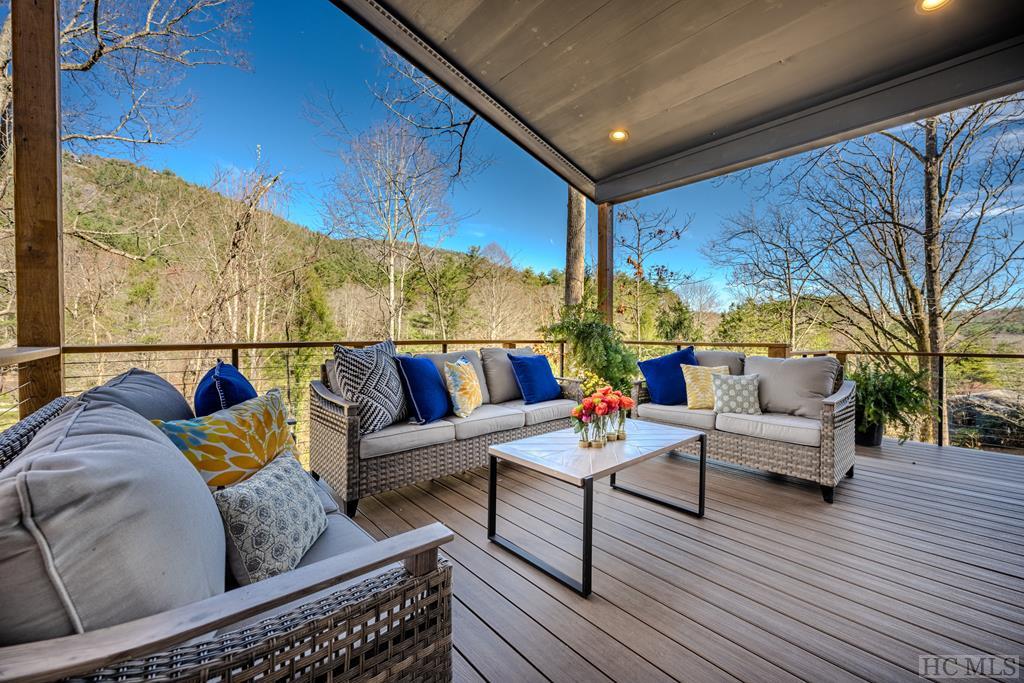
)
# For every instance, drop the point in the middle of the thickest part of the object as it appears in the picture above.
(151, 258)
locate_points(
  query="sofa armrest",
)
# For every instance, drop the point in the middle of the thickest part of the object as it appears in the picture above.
(80, 654)
(572, 388)
(334, 439)
(639, 393)
(841, 399)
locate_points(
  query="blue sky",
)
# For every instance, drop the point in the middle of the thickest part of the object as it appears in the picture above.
(297, 56)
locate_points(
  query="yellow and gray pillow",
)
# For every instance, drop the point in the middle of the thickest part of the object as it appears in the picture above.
(700, 392)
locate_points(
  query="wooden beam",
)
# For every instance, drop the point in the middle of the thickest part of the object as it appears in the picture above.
(575, 246)
(38, 258)
(977, 77)
(606, 261)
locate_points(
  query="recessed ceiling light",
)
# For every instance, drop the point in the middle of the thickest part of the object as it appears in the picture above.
(618, 135)
(932, 5)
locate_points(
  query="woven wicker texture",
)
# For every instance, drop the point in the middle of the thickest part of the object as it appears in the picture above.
(826, 465)
(391, 627)
(16, 438)
(334, 448)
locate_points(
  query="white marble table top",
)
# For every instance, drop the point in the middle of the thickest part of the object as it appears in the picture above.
(558, 454)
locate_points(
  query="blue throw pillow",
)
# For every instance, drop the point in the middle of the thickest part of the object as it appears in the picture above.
(535, 379)
(222, 387)
(665, 378)
(424, 388)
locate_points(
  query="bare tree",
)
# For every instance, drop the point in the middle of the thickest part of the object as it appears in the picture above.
(641, 235)
(390, 198)
(122, 62)
(575, 246)
(703, 300)
(916, 228)
(772, 255)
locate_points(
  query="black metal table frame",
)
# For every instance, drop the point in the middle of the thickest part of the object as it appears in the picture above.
(583, 586)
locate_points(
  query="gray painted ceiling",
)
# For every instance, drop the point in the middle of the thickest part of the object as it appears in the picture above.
(681, 75)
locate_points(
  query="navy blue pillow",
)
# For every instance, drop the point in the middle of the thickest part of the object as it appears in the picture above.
(665, 377)
(424, 388)
(535, 379)
(222, 387)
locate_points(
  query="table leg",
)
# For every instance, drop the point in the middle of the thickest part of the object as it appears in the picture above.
(582, 587)
(668, 502)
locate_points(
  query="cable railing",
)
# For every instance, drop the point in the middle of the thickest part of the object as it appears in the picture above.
(982, 393)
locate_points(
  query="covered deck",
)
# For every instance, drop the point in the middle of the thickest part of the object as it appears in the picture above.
(922, 554)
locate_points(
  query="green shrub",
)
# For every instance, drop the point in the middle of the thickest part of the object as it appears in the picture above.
(891, 396)
(597, 347)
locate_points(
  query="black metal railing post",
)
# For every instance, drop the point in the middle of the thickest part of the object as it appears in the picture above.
(940, 437)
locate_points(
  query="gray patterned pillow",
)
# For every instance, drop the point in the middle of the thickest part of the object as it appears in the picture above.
(270, 520)
(736, 394)
(369, 378)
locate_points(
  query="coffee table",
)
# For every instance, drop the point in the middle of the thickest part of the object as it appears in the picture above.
(558, 455)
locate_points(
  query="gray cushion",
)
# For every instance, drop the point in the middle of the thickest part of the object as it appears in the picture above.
(795, 386)
(736, 394)
(486, 420)
(501, 380)
(733, 359)
(439, 359)
(677, 415)
(270, 520)
(102, 521)
(404, 437)
(341, 535)
(326, 493)
(545, 411)
(149, 395)
(786, 428)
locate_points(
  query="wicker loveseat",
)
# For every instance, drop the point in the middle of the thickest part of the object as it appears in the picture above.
(404, 454)
(354, 609)
(820, 449)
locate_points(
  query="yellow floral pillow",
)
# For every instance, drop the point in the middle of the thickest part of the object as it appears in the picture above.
(700, 394)
(231, 445)
(463, 386)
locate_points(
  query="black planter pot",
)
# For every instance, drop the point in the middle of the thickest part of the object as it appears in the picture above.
(870, 434)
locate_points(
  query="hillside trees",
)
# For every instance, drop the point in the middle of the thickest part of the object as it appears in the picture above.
(131, 56)
(640, 235)
(919, 225)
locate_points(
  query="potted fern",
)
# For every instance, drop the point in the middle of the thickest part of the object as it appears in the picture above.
(887, 396)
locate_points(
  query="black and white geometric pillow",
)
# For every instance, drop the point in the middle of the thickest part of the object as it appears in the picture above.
(369, 378)
(736, 394)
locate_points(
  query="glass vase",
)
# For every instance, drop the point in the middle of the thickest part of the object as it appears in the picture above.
(621, 430)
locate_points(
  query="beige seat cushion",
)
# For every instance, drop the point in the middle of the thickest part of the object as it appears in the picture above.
(545, 411)
(102, 521)
(677, 415)
(793, 429)
(405, 436)
(486, 419)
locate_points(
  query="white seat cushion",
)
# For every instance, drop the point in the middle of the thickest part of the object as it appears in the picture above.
(405, 436)
(545, 411)
(677, 415)
(803, 431)
(486, 419)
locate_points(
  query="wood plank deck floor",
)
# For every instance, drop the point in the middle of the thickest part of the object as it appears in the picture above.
(922, 553)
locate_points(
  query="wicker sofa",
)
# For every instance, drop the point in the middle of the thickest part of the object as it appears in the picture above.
(357, 467)
(354, 609)
(818, 449)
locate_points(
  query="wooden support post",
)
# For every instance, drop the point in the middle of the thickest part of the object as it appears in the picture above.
(779, 350)
(38, 258)
(606, 261)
